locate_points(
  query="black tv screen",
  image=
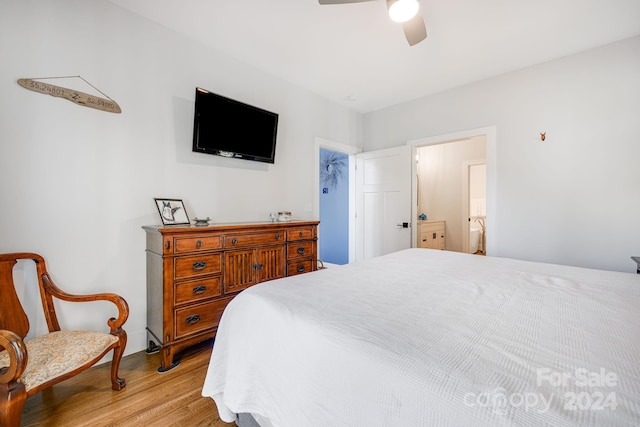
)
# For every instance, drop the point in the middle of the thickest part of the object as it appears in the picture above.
(230, 128)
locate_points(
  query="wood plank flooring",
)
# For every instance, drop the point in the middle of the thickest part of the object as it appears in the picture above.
(169, 399)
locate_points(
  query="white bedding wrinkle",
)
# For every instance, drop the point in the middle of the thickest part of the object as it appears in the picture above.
(433, 338)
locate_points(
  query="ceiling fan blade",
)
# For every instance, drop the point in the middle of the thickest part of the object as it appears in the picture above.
(415, 30)
(340, 1)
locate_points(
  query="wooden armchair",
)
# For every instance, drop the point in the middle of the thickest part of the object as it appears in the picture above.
(31, 366)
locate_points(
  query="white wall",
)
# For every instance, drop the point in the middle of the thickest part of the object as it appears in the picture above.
(77, 184)
(572, 199)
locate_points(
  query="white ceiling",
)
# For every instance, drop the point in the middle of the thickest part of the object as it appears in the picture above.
(356, 51)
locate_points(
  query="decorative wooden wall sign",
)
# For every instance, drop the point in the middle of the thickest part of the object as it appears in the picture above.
(77, 97)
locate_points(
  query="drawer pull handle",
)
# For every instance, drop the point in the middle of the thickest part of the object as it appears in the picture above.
(200, 265)
(300, 251)
(258, 266)
(278, 236)
(234, 241)
(199, 244)
(300, 234)
(300, 269)
(192, 320)
(199, 290)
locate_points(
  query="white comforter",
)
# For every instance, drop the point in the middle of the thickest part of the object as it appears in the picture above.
(433, 338)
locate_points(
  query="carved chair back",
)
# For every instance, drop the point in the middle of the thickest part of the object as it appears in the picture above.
(12, 315)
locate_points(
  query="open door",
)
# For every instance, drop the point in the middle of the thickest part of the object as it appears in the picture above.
(383, 201)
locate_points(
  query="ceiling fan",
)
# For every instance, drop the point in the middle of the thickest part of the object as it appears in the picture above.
(402, 11)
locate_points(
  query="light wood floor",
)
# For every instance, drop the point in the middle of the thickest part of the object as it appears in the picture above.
(169, 399)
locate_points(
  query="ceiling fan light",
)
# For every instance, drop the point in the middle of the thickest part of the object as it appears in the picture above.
(402, 10)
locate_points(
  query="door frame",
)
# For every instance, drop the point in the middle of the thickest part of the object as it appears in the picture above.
(351, 151)
(489, 133)
(466, 209)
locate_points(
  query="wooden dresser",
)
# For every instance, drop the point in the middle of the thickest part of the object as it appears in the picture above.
(193, 273)
(432, 234)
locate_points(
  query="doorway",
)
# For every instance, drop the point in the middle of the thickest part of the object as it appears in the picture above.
(444, 187)
(459, 226)
(334, 236)
(334, 206)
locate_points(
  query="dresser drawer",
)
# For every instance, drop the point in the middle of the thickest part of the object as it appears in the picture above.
(196, 244)
(431, 227)
(299, 267)
(435, 235)
(300, 250)
(237, 240)
(197, 290)
(193, 319)
(300, 233)
(197, 265)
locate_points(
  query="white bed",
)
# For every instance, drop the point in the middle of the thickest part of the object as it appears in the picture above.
(433, 338)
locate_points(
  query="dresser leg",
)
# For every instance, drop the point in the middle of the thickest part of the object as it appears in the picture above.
(152, 348)
(162, 370)
(167, 363)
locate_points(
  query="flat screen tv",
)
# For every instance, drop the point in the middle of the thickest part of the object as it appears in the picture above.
(230, 128)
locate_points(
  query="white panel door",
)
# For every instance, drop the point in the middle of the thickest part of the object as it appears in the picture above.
(383, 201)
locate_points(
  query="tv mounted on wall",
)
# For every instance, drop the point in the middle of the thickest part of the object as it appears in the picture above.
(230, 128)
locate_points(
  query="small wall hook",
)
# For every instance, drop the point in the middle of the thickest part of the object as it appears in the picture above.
(542, 136)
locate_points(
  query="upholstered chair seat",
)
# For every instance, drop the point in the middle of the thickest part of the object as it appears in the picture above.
(58, 353)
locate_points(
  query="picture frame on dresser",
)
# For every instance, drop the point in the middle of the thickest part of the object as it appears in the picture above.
(172, 211)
